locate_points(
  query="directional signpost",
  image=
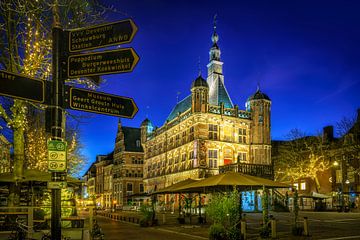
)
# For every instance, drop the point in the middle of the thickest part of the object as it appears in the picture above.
(56, 156)
(104, 35)
(98, 102)
(101, 63)
(68, 62)
(22, 87)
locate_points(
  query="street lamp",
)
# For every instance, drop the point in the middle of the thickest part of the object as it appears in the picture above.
(342, 205)
(114, 205)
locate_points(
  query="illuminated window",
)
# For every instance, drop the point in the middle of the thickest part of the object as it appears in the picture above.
(242, 135)
(213, 158)
(191, 134)
(338, 176)
(303, 186)
(183, 137)
(183, 157)
(213, 132)
(296, 186)
(242, 156)
(177, 140)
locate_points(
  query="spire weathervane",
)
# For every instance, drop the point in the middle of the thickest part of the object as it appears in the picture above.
(199, 68)
(215, 21)
(215, 37)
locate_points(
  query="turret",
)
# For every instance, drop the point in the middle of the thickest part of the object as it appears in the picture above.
(259, 105)
(199, 95)
(146, 129)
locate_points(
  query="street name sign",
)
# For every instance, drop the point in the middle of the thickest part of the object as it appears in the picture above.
(56, 156)
(102, 63)
(56, 185)
(98, 102)
(22, 87)
(103, 35)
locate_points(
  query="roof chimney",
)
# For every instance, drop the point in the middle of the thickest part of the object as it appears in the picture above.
(328, 134)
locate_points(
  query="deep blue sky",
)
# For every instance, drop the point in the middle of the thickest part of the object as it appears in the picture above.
(305, 54)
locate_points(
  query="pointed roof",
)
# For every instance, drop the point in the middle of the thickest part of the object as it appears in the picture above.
(223, 96)
(131, 135)
(199, 82)
(180, 107)
(259, 95)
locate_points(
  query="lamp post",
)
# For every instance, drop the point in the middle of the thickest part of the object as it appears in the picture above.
(343, 181)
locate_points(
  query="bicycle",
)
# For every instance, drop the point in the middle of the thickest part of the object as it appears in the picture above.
(47, 236)
(96, 232)
(20, 231)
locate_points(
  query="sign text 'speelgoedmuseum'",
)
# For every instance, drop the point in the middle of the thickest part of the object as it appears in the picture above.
(103, 103)
(103, 35)
(101, 63)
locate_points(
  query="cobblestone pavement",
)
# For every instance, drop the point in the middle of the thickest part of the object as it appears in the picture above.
(322, 225)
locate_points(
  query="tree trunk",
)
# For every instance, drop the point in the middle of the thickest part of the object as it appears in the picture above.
(19, 120)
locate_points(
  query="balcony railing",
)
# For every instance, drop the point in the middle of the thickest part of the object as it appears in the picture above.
(258, 170)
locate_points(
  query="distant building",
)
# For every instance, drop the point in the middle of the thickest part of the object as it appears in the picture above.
(339, 184)
(206, 133)
(128, 165)
(102, 188)
(89, 178)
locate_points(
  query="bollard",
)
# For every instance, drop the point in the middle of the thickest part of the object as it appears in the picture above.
(273, 228)
(163, 218)
(306, 226)
(243, 229)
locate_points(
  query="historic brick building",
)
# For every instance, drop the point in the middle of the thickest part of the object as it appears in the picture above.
(206, 133)
(128, 165)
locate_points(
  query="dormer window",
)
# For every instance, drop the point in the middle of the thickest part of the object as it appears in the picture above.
(137, 143)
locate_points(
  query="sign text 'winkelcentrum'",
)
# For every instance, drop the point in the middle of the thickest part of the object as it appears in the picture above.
(97, 102)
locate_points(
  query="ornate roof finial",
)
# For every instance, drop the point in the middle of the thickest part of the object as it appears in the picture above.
(215, 37)
(215, 21)
(177, 96)
(258, 86)
(199, 67)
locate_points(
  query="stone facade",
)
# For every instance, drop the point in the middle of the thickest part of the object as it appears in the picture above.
(205, 132)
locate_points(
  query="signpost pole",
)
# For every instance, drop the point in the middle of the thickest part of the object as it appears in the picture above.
(57, 132)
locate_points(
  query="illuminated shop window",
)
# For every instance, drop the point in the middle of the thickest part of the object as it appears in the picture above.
(303, 186)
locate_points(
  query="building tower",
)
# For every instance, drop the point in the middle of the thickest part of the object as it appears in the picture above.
(259, 105)
(217, 91)
(199, 95)
(146, 129)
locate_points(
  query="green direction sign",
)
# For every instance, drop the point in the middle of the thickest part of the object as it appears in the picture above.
(98, 102)
(56, 185)
(103, 35)
(101, 63)
(22, 87)
(56, 156)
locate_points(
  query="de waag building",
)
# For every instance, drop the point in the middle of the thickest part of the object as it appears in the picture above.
(206, 134)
